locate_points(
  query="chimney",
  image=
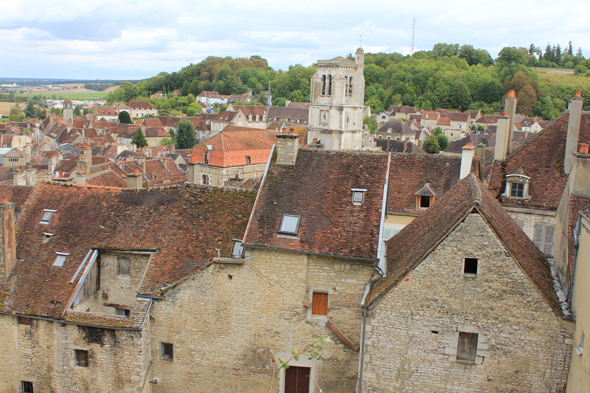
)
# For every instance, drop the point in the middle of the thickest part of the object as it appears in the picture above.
(480, 151)
(467, 154)
(287, 148)
(573, 131)
(192, 167)
(141, 162)
(7, 238)
(502, 137)
(134, 180)
(510, 109)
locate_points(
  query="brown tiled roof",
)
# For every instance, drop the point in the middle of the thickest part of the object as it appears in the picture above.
(16, 194)
(488, 119)
(66, 166)
(457, 116)
(409, 173)
(430, 115)
(444, 121)
(156, 132)
(542, 158)
(419, 238)
(184, 224)
(318, 188)
(107, 179)
(226, 116)
(444, 112)
(230, 147)
(398, 146)
(397, 127)
(252, 110)
(150, 122)
(140, 105)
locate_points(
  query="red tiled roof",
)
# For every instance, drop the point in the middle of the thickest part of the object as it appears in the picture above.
(444, 121)
(318, 188)
(430, 115)
(418, 239)
(230, 147)
(184, 224)
(457, 116)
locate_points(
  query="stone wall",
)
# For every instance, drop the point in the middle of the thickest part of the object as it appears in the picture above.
(411, 342)
(43, 353)
(228, 321)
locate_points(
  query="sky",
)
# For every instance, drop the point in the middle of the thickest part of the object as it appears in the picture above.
(98, 39)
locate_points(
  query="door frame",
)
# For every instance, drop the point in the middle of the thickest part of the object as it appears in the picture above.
(302, 362)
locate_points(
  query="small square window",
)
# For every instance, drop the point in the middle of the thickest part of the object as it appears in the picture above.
(81, 358)
(517, 190)
(248, 161)
(167, 351)
(27, 387)
(122, 312)
(47, 215)
(60, 260)
(467, 346)
(290, 224)
(123, 267)
(423, 201)
(238, 249)
(47, 237)
(319, 303)
(358, 196)
(470, 266)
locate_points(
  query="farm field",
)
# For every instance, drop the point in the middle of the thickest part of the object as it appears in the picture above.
(5, 108)
(74, 94)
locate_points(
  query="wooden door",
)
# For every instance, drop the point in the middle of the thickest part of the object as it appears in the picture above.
(297, 379)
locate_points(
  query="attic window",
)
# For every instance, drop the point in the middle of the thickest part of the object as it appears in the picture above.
(48, 214)
(423, 201)
(289, 224)
(238, 250)
(358, 196)
(517, 186)
(61, 258)
(122, 312)
(47, 237)
(470, 267)
(248, 161)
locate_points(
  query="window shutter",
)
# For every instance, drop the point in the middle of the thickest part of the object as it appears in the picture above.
(319, 304)
(467, 346)
(549, 235)
(538, 237)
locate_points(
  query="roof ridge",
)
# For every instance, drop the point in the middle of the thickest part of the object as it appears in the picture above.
(475, 190)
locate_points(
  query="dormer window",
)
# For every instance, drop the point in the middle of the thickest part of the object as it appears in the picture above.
(424, 197)
(47, 215)
(61, 258)
(516, 190)
(517, 185)
(289, 224)
(424, 202)
(238, 249)
(358, 196)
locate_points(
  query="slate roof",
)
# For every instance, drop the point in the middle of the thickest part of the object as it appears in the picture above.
(542, 159)
(419, 238)
(291, 115)
(397, 127)
(185, 224)
(474, 139)
(318, 188)
(252, 110)
(409, 173)
(398, 146)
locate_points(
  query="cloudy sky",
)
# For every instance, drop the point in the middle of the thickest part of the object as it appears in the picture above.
(138, 39)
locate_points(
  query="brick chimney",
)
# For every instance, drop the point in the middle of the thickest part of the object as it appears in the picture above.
(573, 131)
(287, 148)
(502, 137)
(467, 154)
(134, 180)
(192, 168)
(7, 238)
(510, 109)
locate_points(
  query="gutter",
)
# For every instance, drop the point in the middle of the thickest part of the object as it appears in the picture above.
(382, 262)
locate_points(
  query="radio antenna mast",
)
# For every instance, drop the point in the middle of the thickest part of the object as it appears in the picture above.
(413, 30)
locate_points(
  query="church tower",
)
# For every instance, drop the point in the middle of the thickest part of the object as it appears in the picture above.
(337, 103)
(68, 110)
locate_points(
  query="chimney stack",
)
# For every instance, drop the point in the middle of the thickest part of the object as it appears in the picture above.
(573, 131)
(192, 168)
(467, 154)
(7, 238)
(580, 186)
(134, 180)
(287, 148)
(510, 109)
(502, 137)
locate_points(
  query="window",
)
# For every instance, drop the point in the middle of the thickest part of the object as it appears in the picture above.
(323, 85)
(238, 250)
(122, 312)
(517, 190)
(350, 86)
(205, 180)
(319, 303)
(27, 387)
(467, 346)
(81, 357)
(47, 237)
(358, 196)
(470, 266)
(25, 321)
(61, 258)
(543, 238)
(424, 201)
(207, 156)
(289, 224)
(297, 379)
(123, 267)
(166, 351)
(329, 85)
(47, 215)
(248, 161)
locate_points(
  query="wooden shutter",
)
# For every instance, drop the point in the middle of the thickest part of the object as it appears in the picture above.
(319, 303)
(538, 237)
(548, 240)
(123, 267)
(467, 346)
(297, 379)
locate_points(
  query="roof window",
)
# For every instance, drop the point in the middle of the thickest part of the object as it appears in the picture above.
(290, 224)
(358, 196)
(61, 258)
(48, 214)
(47, 237)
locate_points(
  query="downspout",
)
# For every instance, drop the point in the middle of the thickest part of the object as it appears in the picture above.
(363, 334)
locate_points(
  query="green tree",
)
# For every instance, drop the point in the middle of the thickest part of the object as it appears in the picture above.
(431, 145)
(30, 109)
(443, 141)
(124, 118)
(16, 114)
(166, 142)
(186, 137)
(78, 110)
(371, 121)
(139, 139)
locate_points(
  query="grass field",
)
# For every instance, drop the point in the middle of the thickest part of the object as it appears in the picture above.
(556, 71)
(73, 94)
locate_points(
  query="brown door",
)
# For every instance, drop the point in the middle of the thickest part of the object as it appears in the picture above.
(297, 379)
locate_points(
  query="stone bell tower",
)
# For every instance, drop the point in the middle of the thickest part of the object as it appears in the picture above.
(337, 103)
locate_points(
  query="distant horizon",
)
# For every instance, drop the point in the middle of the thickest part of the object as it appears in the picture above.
(126, 41)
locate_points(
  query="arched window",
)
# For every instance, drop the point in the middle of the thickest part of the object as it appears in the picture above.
(330, 85)
(350, 86)
(323, 85)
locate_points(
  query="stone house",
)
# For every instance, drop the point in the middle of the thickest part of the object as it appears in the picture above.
(396, 130)
(256, 116)
(449, 315)
(141, 109)
(14, 157)
(227, 118)
(232, 158)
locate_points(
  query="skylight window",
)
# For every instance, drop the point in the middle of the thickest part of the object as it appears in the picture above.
(358, 196)
(290, 224)
(47, 215)
(47, 237)
(61, 258)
